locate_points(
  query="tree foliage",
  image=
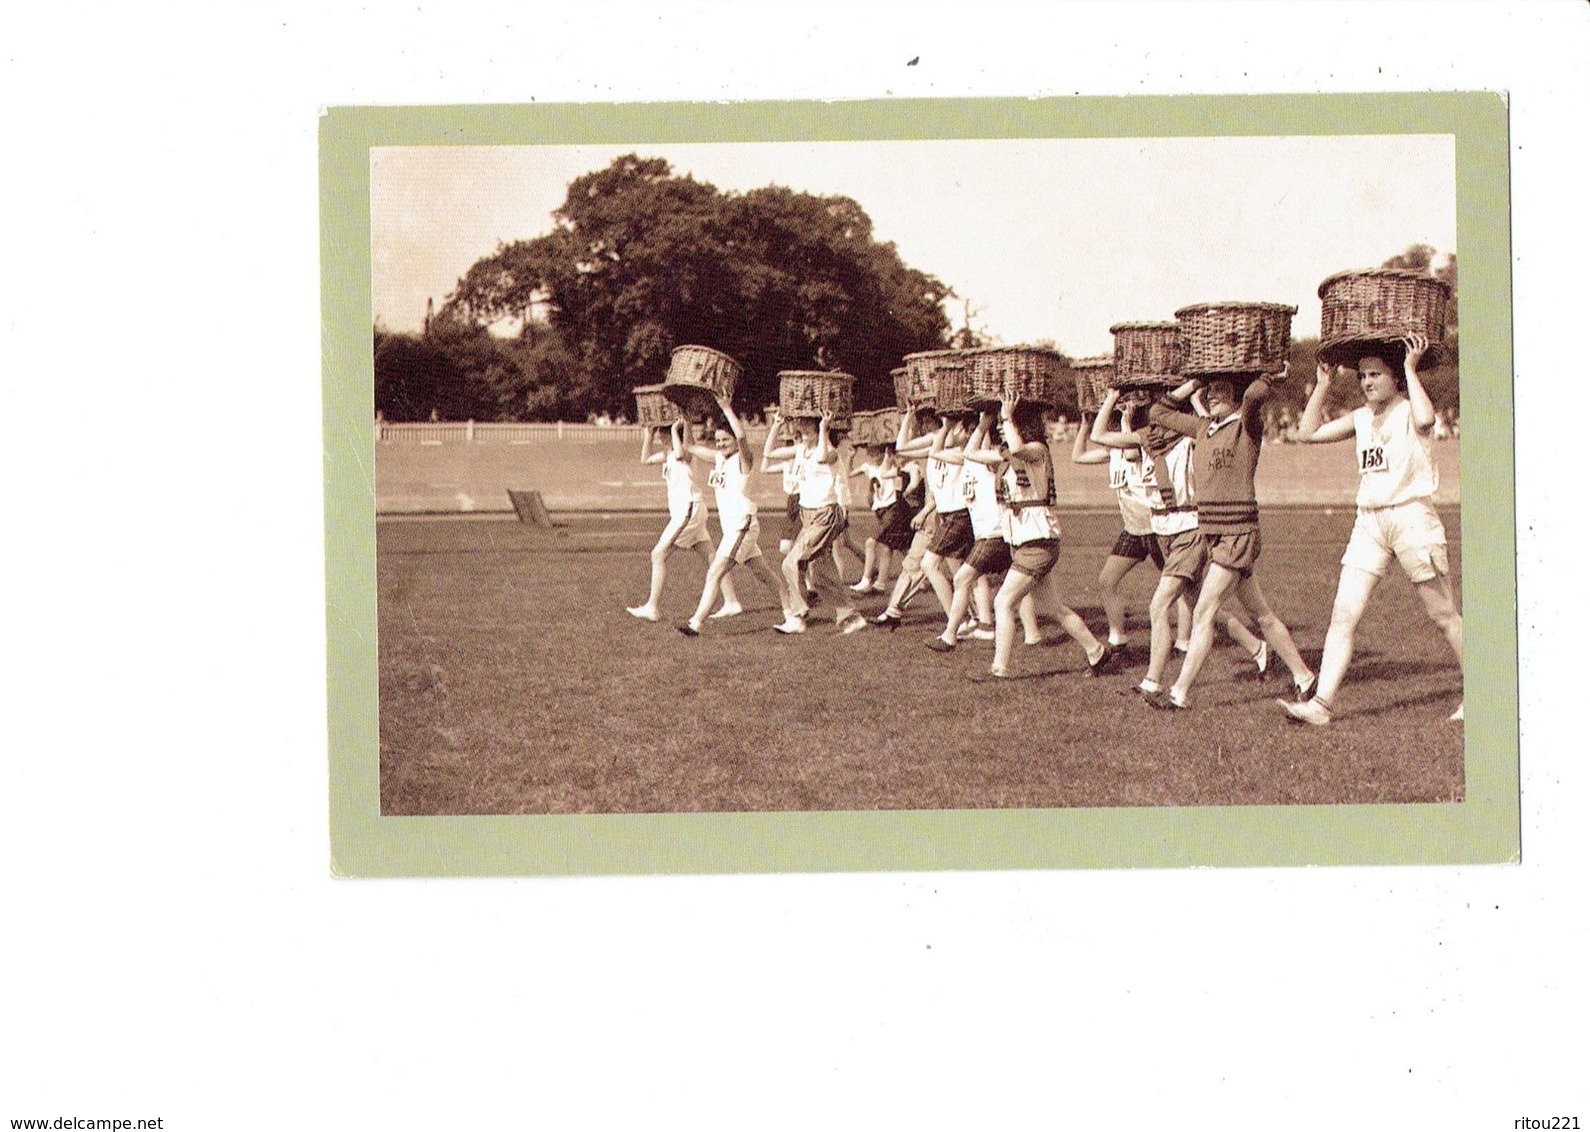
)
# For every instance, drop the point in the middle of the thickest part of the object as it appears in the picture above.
(641, 261)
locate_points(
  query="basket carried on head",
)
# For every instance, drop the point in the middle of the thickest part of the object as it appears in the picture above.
(940, 378)
(1017, 373)
(652, 409)
(1372, 308)
(815, 393)
(902, 386)
(881, 426)
(698, 376)
(1093, 377)
(1234, 339)
(1147, 354)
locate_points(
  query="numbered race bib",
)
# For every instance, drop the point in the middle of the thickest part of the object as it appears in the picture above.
(1118, 476)
(1372, 458)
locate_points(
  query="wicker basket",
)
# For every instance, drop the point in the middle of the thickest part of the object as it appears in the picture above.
(1376, 307)
(813, 393)
(1019, 373)
(698, 376)
(1147, 354)
(1235, 338)
(1093, 377)
(880, 426)
(652, 409)
(902, 386)
(940, 379)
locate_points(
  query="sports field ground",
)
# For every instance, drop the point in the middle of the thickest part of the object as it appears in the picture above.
(513, 682)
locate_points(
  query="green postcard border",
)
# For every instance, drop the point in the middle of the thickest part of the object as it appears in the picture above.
(1483, 828)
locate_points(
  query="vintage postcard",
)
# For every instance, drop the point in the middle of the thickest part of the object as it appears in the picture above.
(911, 485)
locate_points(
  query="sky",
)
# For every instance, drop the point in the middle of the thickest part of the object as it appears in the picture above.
(1046, 239)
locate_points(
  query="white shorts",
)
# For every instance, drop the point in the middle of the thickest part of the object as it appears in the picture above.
(684, 531)
(740, 541)
(1409, 532)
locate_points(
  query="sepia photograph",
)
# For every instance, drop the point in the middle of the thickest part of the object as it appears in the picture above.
(928, 475)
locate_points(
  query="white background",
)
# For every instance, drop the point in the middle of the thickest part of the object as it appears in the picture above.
(172, 943)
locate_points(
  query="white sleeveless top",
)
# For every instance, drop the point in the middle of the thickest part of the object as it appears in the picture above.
(1175, 505)
(944, 481)
(732, 492)
(1394, 460)
(1133, 480)
(685, 484)
(981, 484)
(1029, 515)
(815, 481)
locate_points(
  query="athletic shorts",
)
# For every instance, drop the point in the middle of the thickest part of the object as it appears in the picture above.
(1035, 558)
(1411, 532)
(989, 556)
(1137, 548)
(820, 527)
(953, 537)
(1185, 555)
(740, 542)
(792, 516)
(690, 528)
(1237, 552)
(894, 525)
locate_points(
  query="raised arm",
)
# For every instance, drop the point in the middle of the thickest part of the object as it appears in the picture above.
(907, 445)
(737, 427)
(1418, 399)
(771, 452)
(1027, 451)
(1313, 428)
(647, 455)
(825, 452)
(1169, 411)
(980, 447)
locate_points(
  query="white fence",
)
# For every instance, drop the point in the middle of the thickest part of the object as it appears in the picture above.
(470, 432)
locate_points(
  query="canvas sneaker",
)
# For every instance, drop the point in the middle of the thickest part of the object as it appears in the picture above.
(1309, 711)
(644, 612)
(1457, 716)
(855, 623)
(690, 629)
(727, 609)
(790, 624)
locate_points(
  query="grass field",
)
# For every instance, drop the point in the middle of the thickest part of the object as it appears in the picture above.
(513, 682)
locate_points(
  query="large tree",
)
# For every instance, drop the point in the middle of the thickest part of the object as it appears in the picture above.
(641, 261)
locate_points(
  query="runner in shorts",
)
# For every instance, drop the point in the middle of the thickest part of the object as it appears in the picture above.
(816, 460)
(687, 517)
(732, 464)
(1226, 455)
(981, 464)
(1397, 480)
(791, 528)
(912, 443)
(1033, 533)
(951, 538)
(1132, 477)
(888, 483)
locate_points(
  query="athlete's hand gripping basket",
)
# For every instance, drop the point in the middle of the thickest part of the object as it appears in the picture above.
(1014, 373)
(1147, 354)
(698, 376)
(816, 393)
(1366, 309)
(1234, 339)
